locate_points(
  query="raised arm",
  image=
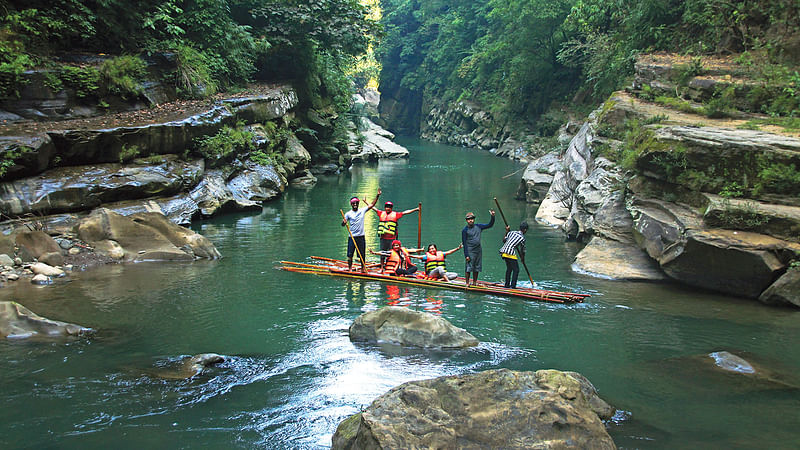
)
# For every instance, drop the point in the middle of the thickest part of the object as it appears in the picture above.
(487, 225)
(450, 252)
(409, 211)
(372, 205)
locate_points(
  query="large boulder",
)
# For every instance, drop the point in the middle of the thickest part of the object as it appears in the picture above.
(374, 143)
(18, 322)
(142, 237)
(785, 291)
(735, 262)
(398, 325)
(492, 409)
(34, 244)
(616, 260)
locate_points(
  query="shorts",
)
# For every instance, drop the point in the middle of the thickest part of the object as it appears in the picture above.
(361, 242)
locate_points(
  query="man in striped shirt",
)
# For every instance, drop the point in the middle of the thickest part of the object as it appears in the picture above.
(513, 247)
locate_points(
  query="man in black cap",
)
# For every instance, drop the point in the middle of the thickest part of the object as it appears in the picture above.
(471, 239)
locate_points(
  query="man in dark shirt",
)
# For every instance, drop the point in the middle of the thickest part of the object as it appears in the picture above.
(471, 238)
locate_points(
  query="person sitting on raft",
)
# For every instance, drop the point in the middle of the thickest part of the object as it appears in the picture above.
(398, 260)
(434, 263)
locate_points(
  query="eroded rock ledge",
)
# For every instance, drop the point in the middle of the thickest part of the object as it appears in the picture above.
(668, 217)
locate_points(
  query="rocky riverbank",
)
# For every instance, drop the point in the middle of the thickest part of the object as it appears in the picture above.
(657, 191)
(131, 167)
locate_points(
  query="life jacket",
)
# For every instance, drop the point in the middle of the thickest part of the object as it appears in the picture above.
(433, 261)
(396, 260)
(387, 228)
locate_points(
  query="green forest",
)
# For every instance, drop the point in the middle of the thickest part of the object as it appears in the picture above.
(516, 58)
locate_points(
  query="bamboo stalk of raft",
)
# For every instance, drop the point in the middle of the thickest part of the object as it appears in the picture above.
(482, 283)
(330, 269)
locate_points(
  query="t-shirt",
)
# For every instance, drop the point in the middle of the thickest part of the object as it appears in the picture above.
(514, 242)
(356, 220)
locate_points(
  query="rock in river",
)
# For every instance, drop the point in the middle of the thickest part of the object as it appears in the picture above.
(189, 366)
(403, 326)
(492, 409)
(17, 321)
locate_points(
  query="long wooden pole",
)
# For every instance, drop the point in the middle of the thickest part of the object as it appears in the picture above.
(419, 226)
(521, 259)
(361, 258)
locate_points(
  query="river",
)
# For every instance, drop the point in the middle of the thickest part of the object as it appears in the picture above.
(292, 374)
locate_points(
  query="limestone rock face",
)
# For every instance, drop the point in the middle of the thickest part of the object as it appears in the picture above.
(538, 177)
(619, 261)
(785, 291)
(143, 237)
(377, 144)
(704, 147)
(736, 262)
(492, 409)
(18, 322)
(79, 188)
(35, 153)
(403, 326)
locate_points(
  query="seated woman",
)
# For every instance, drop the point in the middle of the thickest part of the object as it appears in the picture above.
(434, 263)
(398, 259)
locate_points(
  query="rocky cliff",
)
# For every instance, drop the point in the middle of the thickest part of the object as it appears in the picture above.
(658, 190)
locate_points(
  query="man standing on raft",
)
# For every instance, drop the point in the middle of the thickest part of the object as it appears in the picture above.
(471, 239)
(387, 228)
(355, 219)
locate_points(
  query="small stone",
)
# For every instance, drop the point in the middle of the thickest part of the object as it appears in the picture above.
(12, 277)
(6, 260)
(74, 251)
(41, 279)
(17, 261)
(44, 269)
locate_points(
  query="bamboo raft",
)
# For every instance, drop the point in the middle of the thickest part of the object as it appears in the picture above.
(338, 268)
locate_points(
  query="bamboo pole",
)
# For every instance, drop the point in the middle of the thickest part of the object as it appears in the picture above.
(360, 257)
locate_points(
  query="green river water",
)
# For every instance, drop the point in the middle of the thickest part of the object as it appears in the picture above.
(292, 374)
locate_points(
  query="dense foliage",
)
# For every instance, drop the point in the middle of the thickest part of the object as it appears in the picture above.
(517, 57)
(219, 43)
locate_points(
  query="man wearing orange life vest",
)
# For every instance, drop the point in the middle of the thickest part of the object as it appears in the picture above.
(387, 227)
(398, 259)
(433, 260)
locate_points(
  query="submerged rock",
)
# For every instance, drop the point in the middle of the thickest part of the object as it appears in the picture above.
(18, 322)
(189, 367)
(491, 409)
(403, 326)
(731, 363)
(730, 372)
